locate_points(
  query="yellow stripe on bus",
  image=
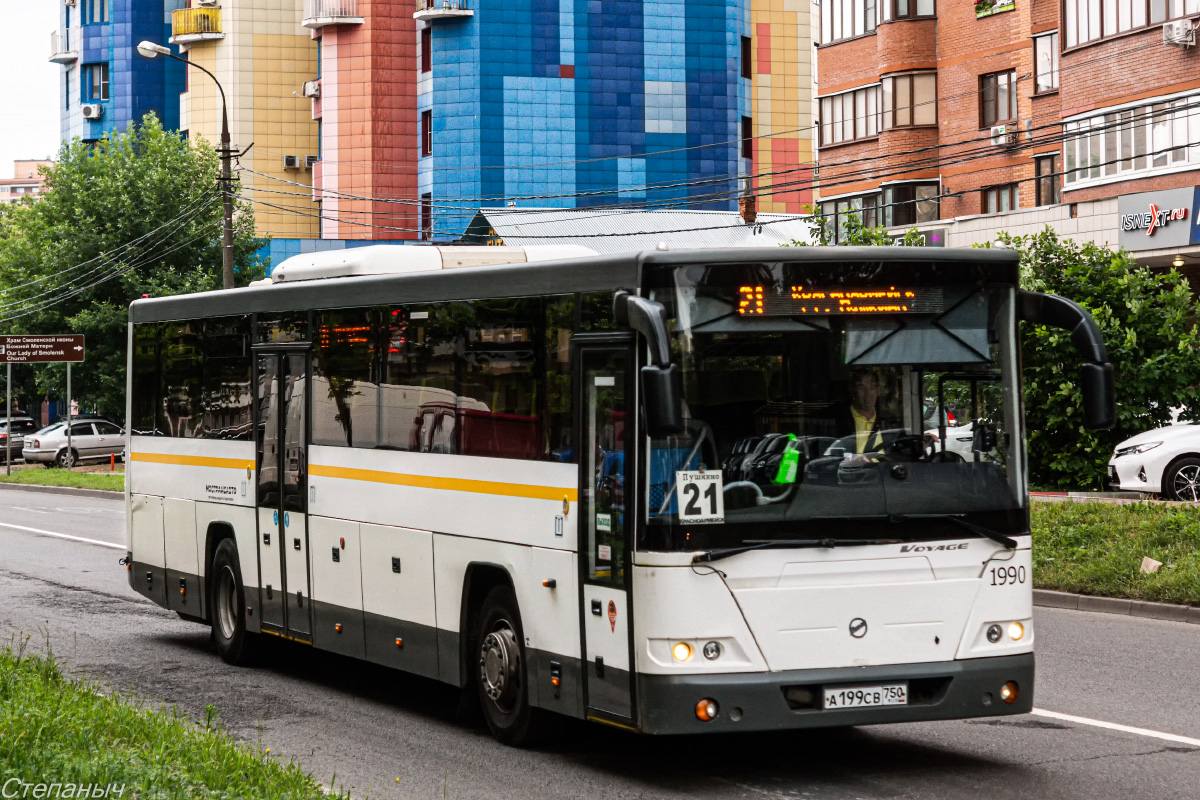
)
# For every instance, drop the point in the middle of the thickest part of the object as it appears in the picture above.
(192, 461)
(448, 484)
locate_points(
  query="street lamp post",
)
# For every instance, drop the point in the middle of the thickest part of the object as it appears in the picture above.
(152, 50)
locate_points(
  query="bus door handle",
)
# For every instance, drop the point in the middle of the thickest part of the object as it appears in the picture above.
(596, 608)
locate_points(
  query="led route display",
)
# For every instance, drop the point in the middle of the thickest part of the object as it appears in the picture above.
(803, 300)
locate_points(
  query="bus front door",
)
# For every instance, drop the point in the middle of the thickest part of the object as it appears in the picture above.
(282, 407)
(607, 500)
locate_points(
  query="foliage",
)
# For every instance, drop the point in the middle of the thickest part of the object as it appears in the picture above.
(136, 213)
(853, 233)
(1148, 320)
(55, 730)
(1097, 548)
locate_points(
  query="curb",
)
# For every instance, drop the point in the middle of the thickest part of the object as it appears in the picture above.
(1113, 605)
(33, 487)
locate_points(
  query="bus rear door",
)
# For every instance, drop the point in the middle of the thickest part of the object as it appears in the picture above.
(606, 403)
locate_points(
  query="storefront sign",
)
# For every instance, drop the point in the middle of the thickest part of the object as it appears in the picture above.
(1158, 220)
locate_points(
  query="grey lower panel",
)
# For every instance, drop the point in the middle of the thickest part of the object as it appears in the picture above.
(609, 690)
(402, 645)
(191, 600)
(338, 629)
(567, 697)
(955, 690)
(449, 658)
(149, 581)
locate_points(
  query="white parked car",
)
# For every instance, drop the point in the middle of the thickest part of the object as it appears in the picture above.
(1163, 461)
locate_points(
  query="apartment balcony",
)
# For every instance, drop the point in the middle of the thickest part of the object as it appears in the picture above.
(195, 25)
(64, 47)
(319, 13)
(442, 9)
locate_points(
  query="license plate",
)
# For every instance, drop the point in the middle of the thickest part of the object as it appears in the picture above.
(891, 694)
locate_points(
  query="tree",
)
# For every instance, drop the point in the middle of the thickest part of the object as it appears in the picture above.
(853, 232)
(136, 213)
(1148, 320)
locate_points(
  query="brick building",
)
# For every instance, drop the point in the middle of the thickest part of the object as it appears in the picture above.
(966, 120)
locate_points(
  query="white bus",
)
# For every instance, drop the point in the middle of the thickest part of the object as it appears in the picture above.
(674, 492)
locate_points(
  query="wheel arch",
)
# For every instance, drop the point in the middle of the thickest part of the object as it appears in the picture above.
(1162, 480)
(478, 580)
(217, 531)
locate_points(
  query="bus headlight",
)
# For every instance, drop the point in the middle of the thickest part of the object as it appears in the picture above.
(682, 651)
(1015, 631)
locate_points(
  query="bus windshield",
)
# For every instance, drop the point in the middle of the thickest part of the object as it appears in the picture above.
(848, 402)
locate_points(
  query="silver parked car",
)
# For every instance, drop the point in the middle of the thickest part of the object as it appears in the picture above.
(90, 440)
(14, 440)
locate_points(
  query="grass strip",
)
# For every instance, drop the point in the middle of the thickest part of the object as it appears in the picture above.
(57, 730)
(109, 481)
(1097, 549)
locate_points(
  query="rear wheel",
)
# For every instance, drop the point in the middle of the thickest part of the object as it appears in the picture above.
(67, 459)
(1182, 480)
(500, 670)
(227, 606)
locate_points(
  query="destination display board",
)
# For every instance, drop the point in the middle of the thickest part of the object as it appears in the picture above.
(52, 349)
(804, 300)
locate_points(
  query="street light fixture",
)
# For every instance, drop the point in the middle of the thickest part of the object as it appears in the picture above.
(149, 49)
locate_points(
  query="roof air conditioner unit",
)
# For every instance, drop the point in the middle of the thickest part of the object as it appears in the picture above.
(92, 111)
(312, 89)
(310, 160)
(1179, 33)
(291, 162)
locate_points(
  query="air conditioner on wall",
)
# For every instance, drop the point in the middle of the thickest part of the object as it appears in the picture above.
(92, 110)
(311, 89)
(1004, 135)
(209, 3)
(1179, 33)
(68, 2)
(291, 162)
(310, 160)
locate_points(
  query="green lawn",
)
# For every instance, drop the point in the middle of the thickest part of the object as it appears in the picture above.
(1097, 549)
(56, 730)
(111, 481)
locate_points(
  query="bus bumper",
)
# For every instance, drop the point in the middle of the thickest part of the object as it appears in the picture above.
(786, 700)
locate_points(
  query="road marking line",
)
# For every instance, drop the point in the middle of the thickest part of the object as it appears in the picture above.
(41, 532)
(1112, 726)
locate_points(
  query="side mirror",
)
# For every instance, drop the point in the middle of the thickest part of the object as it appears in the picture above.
(662, 383)
(983, 437)
(1099, 396)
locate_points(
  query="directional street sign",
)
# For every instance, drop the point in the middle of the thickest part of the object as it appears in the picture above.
(42, 349)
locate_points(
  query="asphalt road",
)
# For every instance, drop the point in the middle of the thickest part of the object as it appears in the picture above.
(388, 735)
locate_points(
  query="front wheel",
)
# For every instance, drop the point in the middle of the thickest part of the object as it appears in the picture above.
(1182, 480)
(227, 607)
(501, 672)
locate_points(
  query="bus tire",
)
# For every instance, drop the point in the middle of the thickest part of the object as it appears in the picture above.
(500, 671)
(234, 643)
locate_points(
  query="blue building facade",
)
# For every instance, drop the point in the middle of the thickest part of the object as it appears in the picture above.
(106, 70)
(577, 103)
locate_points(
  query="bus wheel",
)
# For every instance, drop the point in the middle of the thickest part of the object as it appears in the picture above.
(228, 606)
(501, 672)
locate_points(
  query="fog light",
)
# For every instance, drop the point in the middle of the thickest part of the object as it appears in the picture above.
(706, 710)
(712, 650)
(1015, 631)
(1009, 692)
(682, 651)
(994, 633)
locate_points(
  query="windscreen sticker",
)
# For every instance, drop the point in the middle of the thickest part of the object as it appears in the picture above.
(700, 496)
(604, 552)
(604, 523)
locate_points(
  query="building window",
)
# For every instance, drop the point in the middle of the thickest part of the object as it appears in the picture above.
(999, 198)
(1049, 191)
(94, 11)
(747, 137)
(910, 100)
(426, 49)
(426, 133)
(1088, 20)
(1045, 61)
(836, 213)
(843, 19)
(850, 115)
(747, 54)
(910, 204)
(95, 82)
(908, 9)
(997, 98)
(1164, 135)
(426, 217)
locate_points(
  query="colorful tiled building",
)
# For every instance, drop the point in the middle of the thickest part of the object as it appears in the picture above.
(104, 85)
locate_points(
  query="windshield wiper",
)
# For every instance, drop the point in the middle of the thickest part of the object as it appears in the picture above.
(760, 544)
(978, 530)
